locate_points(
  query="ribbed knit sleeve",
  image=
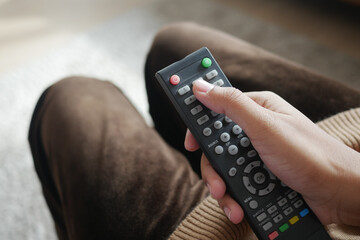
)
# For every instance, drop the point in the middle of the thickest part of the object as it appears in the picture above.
(345, 127)
(208, 222)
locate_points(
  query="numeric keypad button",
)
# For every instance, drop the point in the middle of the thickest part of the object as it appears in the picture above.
(245, 142)
(236, 129)
(218, 124)
(227, 120)
(207, 132)
(219, 149)
(233, 150)
(225, 137)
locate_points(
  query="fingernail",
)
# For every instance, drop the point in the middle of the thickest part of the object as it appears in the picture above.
(203, 86)
(227, 212)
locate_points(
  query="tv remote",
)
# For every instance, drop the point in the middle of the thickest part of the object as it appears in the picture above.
(273, 210)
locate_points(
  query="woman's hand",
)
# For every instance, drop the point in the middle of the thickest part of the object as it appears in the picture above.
(322, 169)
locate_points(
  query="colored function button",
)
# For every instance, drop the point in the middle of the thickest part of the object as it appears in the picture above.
(206, 62)
(284, 227)
(273, 235)
(293, 220)
(304, 212)
(174, 80)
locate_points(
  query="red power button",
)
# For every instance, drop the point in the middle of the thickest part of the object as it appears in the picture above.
(174, 79)
(273, 235)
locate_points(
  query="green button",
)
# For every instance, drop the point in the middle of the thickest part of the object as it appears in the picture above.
(206, 62)
(284, 227)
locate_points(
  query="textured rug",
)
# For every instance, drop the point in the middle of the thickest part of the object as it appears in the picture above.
(116, 51)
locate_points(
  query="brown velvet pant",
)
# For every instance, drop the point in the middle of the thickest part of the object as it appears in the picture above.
(107, 175)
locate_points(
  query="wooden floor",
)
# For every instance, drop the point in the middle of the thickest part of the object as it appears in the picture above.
(29, 29)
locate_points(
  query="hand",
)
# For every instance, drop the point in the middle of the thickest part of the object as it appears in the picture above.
(325, 171)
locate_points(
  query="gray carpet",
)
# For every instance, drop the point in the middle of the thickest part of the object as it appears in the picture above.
(116, 51)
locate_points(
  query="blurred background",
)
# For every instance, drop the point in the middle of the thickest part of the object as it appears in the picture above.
(42, 41)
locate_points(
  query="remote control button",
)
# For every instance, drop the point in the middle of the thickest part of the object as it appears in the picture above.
(272, 176)
(233, 150)
(288, 211)
(273, 235)
(219, 149)
(228, 120)
(292, 195)
(206, 62)
(184, 90)
(284, 227)
(244, 142)
(282, 202)
(214, 114)
(261, 217)
(248, 186)
(259, 178)
(299, 203)
(236, 129)
(240, 161)
(225, 137)
(251, 166)
(293, 220)
(253, 204)
(232, 172)
(190, 100)
(200, 78)
(251, 153)
(283, 184)
(203, 120)
(207, 132)
(304, 212)
(219, 83)
(196, 110)
(174, 80)
(218, 124)
(267, 190)
(272, 209)
(267, 226)
(211, 74)
(278, 218)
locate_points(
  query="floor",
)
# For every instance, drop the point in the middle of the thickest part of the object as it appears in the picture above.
(42, 41)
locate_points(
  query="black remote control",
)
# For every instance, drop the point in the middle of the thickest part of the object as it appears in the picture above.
(273, 210)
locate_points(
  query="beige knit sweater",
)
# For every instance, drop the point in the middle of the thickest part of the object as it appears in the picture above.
(208, 222)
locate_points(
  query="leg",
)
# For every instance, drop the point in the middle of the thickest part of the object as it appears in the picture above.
(248, 69)
(104, 173)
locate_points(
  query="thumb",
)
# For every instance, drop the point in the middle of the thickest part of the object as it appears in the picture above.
(234, 104)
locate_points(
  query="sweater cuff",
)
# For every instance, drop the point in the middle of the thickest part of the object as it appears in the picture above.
(208, 222)
(344, 126)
